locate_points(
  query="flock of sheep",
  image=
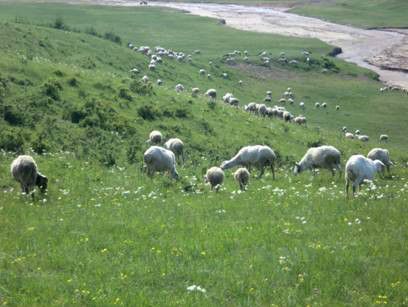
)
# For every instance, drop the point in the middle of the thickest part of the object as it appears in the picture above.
(164, 159)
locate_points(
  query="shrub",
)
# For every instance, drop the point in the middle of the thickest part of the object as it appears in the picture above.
(147, 112)
(13, 116)
(124, 94)
(51, 89)
(141, 88)
(113, 37)
(60, 24)
(11, 141)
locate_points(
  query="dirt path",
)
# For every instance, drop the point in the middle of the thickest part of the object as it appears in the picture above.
(373, 49)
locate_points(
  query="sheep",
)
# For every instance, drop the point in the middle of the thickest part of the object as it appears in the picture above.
(145, 79)
(212, 93)
(337, 107)
(159, 82)
(349, 135)
(363, 138)
(250, 107)
(327, 157)
(226, 98)
(381, 154)
(202, 72)
(152, 67)
(234, 101)
(215, 177)
(282, 100)
(209, 76)
(357, 132)
(155, 137)
(258, 156)
(300, 120)
(359, 168)
(195, 91)
(324, 105)
(261, 109)
(159, 159)
(302, 105)
(225, 75)
(268, 99)
(344, 129)
(287, 116)
(241, 176)
(384, 138)
(176, 146)
(317, 105)
(25, 171)
(240, 82)
(268, 93)
(179, 88)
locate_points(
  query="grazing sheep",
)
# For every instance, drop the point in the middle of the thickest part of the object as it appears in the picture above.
(240, 82)
(344, 129)
(327, 157)
(215, 177)
(287, 116)
(145, 79)
(337, 107)
(384, 138)
(268, 99)
(179, 88)
(349, 135)
(195, 91)
(360, 168)
(357, 132)
(261, 109)
(152, 67)
(251, 107)
(234, 101)
(241, 176)
(155, 137)
(226, 98)
(258, 156)
(209, 76)
(282, 100)
(212, 93)
(302, 104)
(324, 105)
(300, 120)
(225, 75)
(363, 138)
(202, 72)
(381, 154)
(159, 82)
(176, 146)
(317, 105)
(25, 171)
(159, 159)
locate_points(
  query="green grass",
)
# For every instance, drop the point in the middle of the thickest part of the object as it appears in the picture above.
(105, 234)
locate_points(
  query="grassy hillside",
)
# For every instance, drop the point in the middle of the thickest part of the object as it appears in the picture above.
(105, 234)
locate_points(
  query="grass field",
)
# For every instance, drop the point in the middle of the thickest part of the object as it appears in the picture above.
(107, 235)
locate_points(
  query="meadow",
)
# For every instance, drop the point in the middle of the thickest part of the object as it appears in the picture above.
(105, 234)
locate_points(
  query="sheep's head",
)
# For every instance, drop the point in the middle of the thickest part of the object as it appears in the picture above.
(224, 165)
(380, 166)
(42, 182)
(297, 168)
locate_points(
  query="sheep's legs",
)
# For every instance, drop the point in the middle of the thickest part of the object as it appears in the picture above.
(262, 172)
(273, 171)
(347, 187)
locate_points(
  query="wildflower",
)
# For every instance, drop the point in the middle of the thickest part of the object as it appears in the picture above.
(196, 288)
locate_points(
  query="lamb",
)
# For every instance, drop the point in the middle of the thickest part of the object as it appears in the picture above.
(159, 159)
(215, 177)
(384, 138)
(327, 157)
(241, 176)
(155, 137)
(381, 154)
(212, 93)
(258, 156)
(179, 88)
(363, 138)
(360, 168)
(25, 171)
(176, 146)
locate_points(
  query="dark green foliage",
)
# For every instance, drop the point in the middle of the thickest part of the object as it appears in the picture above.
(52, 89)
(141, 88)
(113, 37)
(124, 94)
(73, 82)
(13, 116)
(12, 140)
(60, 24)
(147, 112)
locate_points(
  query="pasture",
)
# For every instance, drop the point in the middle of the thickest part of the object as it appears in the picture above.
(106, 234)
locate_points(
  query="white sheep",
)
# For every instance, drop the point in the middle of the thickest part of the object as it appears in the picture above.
(349, 135)
(363, 138)
(251, 107)
(344, 129)
(241, 176)
(25, 171)
(159, 82)
(380, 154)
(359, 168)
(324, 105)
(326, 157)
(145, 79)
(225, 75)
(287, 116)
(258, 156)
(202, 72)
(317, 105)
(179, 88)
(300, 120)
(384, 138)
(357, 132)
(226, 98)
(215, 177)
(302, 104)
(176, 146)
(155, 137)
(337, 107)
(159, 159)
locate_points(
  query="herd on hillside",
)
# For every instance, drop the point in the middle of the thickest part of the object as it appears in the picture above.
(164, 158)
